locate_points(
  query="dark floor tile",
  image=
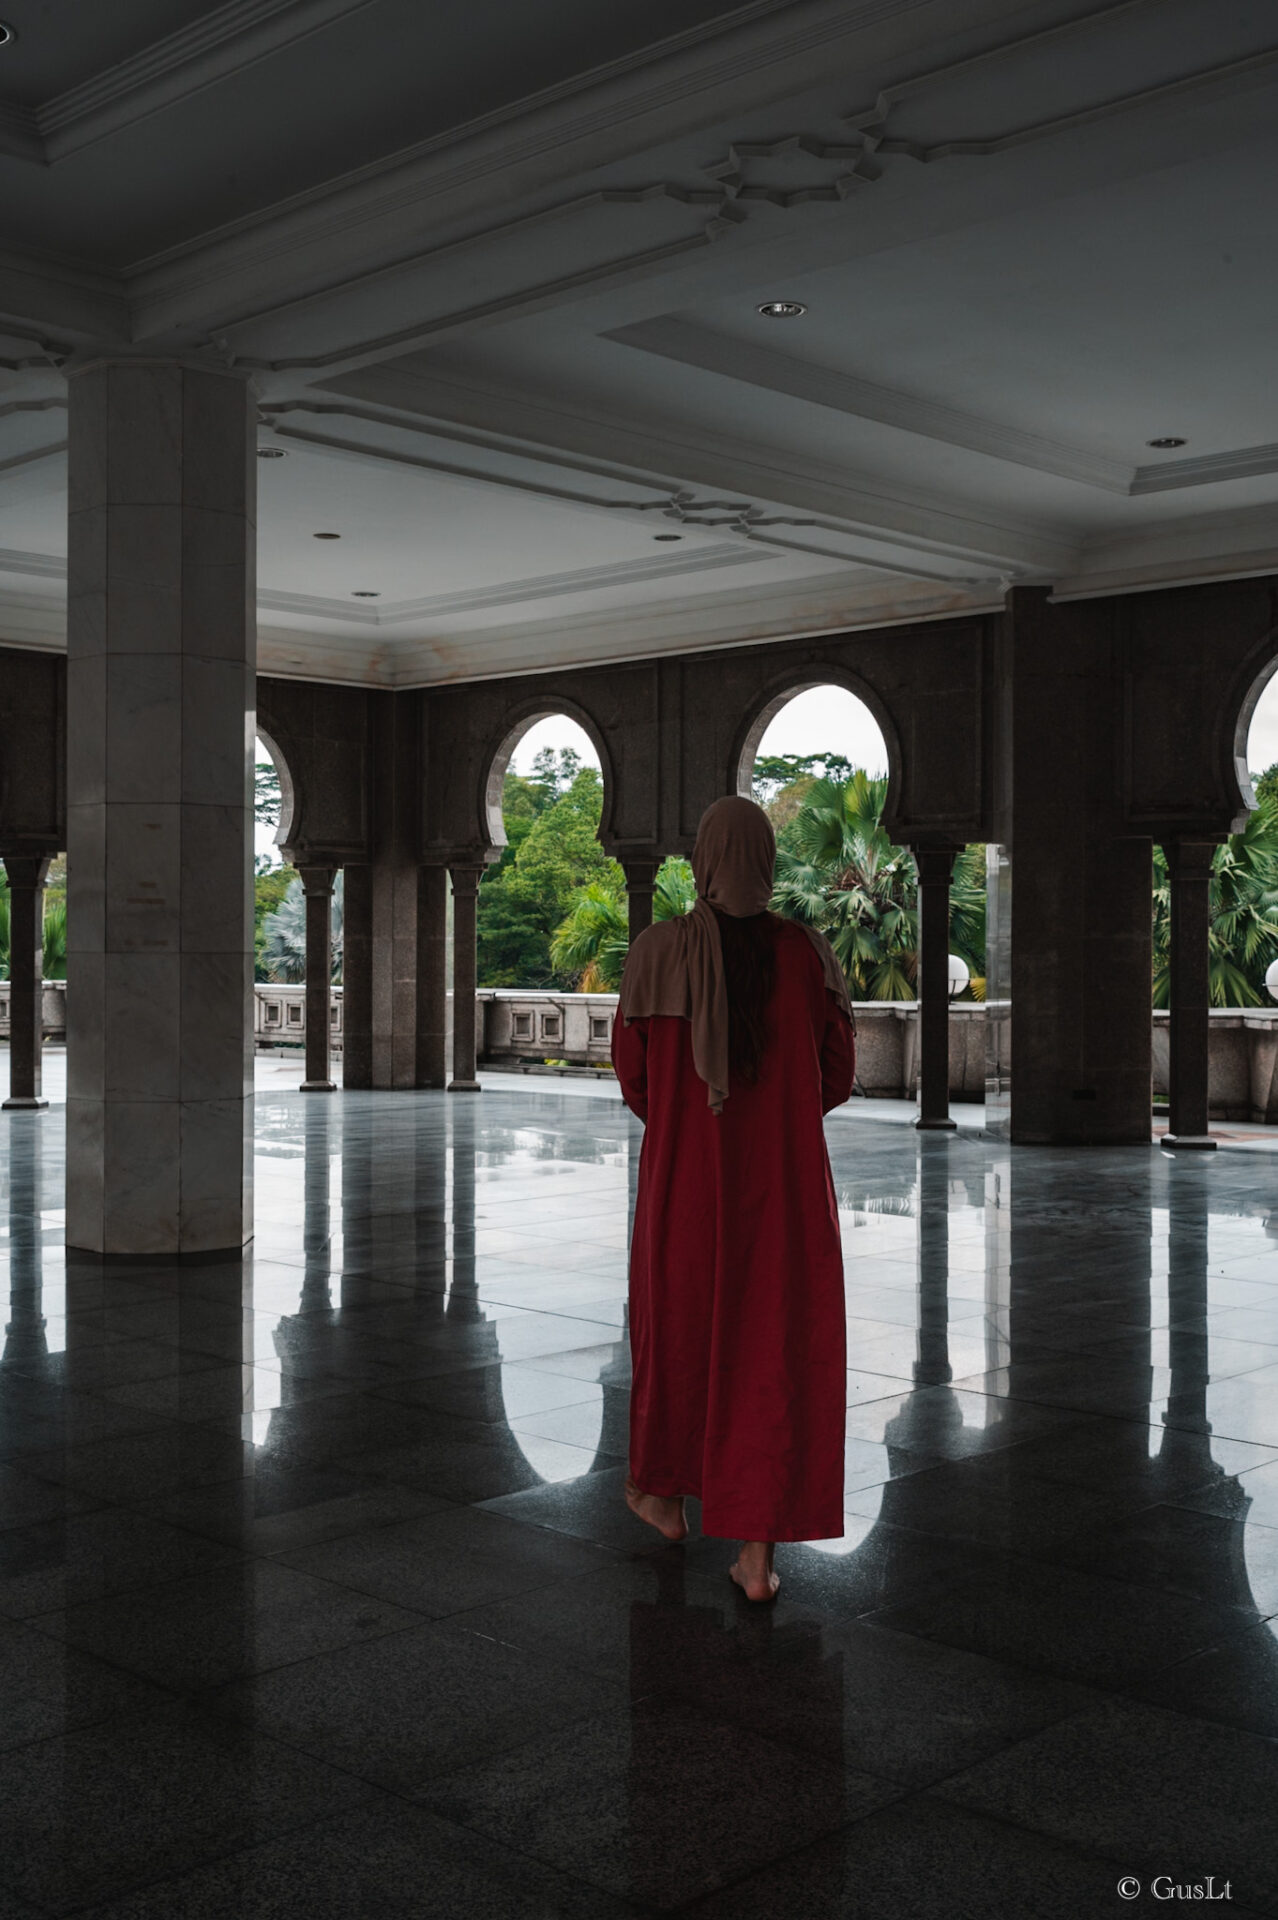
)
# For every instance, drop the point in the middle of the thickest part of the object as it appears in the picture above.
(35, 1417)
(589, 1509)
(923, 1859)
(97, 1813)
(653, 1804)
(1235, 1683)
(1099, 1632)
(212, 1630)
(446, 1562)
(475, 1460)
(278, 1512)
(26, 1500)
(47, 1688)
(59, 1563)
(1143, 1464)
(993, 1500)
(387, 1859)
(875, 1565)
(493, 1392)
(143, 1466)
(1225, 1563)
(951, 1425)
(1153, 1791)
(403, 1710)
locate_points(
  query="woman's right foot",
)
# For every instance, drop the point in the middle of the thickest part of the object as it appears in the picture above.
(656, 1510)
(752, 1570)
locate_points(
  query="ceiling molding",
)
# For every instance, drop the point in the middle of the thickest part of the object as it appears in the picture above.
(227, 41)
(673, 339)
(1199, 570)
(39, 566)
(32, 456)
(1239, 463)
(927, 524)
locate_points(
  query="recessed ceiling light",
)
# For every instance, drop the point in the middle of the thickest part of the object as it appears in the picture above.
(782, 309)
(6, 34)
(326, 536)
(1168, 440)
(272, 453)
(667, 536)
(366, 593)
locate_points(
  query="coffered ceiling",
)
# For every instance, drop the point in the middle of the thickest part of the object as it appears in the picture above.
(498, 271)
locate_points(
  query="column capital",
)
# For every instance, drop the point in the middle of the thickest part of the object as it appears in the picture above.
(1190, 856)
(27, 869)
(122, 353)
(316, 878)
(935, 864)
(465, 880)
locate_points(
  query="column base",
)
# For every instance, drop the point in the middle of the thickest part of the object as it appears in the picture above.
(21, 1102)
(936, 1126)
(318, 1086)
(1203, 1141)
(464, 1086)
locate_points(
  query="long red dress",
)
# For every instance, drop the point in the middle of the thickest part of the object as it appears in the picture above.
(736, 1270)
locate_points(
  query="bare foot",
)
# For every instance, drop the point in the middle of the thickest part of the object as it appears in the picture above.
(752, 1570)
(657, 1510)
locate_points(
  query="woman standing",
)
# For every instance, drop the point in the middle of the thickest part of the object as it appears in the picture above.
(734, 1036)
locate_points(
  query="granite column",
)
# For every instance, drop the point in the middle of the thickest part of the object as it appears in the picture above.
(161, 645)
(27, 874)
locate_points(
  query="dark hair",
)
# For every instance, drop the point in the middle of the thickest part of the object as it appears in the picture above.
(750, 974)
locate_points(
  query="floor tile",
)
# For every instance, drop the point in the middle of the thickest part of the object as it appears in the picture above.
(48, 1688)
(609, 1801)
(93, 1814)
(1154, 1791)
(60, 1563)
(391, 1860)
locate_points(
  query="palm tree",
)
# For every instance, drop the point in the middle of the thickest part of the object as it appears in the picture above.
(595, 938)
(838, 870)
(1243, 935)
(55, 938)
(284, 935)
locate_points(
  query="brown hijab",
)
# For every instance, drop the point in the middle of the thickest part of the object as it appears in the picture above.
(676, 966)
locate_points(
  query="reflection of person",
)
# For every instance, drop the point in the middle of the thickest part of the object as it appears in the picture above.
(734, 1035)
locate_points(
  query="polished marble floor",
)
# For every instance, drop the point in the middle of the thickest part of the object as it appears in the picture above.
(318, 1596)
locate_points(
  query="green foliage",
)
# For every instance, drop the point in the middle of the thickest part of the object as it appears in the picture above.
(267, 798)
(552, 820)
(270, 884)
(55, 933)
(774, 772)
(1243, 936)
(282, 943)
(594, 939)
(838, 870)
(1266, 784)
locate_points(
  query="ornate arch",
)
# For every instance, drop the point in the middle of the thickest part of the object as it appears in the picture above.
(777, 693)
(1250, 682)
(497, 758)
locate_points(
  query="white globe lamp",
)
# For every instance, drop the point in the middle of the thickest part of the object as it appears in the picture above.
(1271, 980)
(959, 976)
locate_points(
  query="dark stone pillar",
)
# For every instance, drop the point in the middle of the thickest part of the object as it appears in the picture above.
(465, 906)
(357, 976)
(27, 875)
(317, 885)
(932, 1364)
(935, 865)
(432, 958)
(1079, 1001)
(641, 876)
(1189, 870)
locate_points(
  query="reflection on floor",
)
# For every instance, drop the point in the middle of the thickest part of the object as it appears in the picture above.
(318, 1596)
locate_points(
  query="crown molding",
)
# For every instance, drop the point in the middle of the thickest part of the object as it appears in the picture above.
(1197, 571)
(667, 452)
(36, 566)
(227, 41)
(691, 346)
(1237, 463)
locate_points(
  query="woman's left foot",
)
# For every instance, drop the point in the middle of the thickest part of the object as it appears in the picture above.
(656, 1510)
(752, 1570)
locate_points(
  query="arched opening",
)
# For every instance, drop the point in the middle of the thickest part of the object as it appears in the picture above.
(279, 908)
(822, 762)
(553, 905)
(1258, 728)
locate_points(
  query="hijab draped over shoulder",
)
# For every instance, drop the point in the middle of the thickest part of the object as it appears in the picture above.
(676, 966)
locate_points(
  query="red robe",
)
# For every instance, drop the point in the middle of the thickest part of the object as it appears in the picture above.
(736, 1269)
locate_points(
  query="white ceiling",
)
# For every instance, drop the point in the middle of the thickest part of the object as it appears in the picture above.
(497, 270)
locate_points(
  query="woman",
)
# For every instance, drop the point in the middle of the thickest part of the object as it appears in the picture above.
(734, 1037)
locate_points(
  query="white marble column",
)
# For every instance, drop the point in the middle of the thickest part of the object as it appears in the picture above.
(160, 720)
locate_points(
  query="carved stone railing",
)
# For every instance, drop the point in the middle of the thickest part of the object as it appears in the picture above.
(518, 1026)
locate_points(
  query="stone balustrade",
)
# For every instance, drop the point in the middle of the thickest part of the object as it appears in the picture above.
(514, 1025)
